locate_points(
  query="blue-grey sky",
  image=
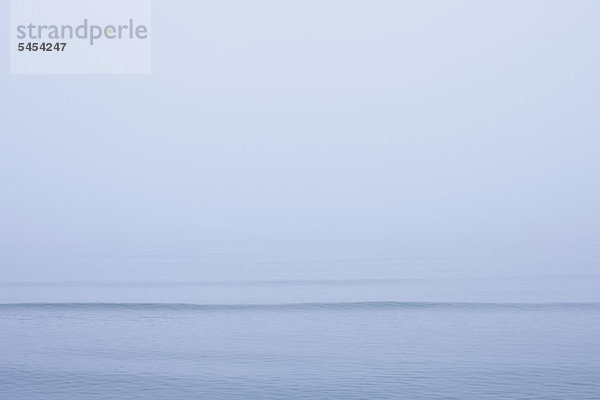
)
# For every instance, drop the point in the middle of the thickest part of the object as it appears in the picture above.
(367, 128)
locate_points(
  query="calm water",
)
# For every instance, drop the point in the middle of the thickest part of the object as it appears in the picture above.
(369, 350)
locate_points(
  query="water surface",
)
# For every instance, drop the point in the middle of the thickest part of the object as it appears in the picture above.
(336, 350)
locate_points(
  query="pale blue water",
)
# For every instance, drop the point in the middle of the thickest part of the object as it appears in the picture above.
(347, 350)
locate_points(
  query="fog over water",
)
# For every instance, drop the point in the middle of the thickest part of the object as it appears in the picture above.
(337, 140)
(375, 199)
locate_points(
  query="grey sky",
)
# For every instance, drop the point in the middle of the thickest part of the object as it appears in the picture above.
(429, 128)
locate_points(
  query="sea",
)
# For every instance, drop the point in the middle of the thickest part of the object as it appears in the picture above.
(529, 338)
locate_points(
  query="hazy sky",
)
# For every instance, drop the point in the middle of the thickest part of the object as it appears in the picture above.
(374, 127)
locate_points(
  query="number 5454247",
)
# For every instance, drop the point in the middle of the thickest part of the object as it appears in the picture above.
(42, 46)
